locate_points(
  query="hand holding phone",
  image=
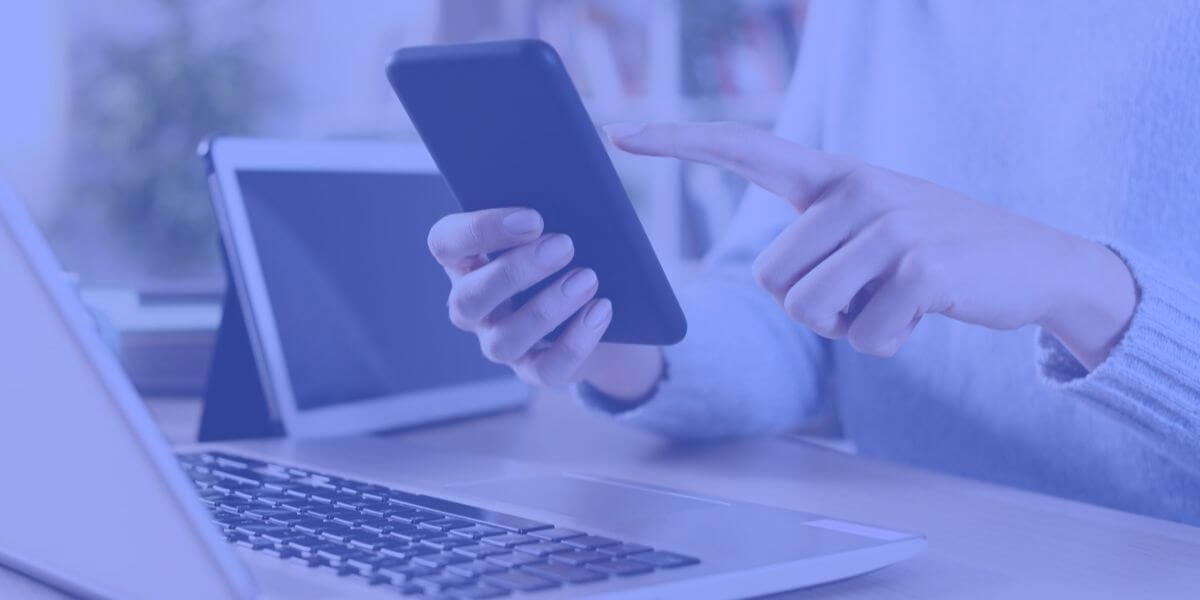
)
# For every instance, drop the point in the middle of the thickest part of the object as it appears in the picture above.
(507, 128)
(481, 302)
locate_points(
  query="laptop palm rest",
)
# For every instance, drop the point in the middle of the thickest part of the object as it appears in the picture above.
(583, 496)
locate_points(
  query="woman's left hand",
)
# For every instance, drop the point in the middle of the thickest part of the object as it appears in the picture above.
(871, 251)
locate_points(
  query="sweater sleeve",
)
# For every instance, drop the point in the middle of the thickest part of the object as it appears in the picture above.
(1151, 379)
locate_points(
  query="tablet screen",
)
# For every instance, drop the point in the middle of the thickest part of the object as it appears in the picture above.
(359, 304)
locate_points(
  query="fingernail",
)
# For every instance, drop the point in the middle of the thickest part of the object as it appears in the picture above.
(553, 249)
(598, 314)
(580, 284)
(623, 130)
(522, 222)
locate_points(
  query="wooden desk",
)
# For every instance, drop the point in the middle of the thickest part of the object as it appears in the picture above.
(985, 541)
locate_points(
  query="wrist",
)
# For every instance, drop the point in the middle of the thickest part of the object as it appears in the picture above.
(1094, 304)
(625, 373)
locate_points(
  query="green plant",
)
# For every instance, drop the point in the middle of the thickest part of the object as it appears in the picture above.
(141, 101)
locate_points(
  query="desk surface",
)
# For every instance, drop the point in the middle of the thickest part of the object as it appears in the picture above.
(985, 541)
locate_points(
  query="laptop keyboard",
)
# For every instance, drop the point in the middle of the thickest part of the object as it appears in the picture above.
(417, 544)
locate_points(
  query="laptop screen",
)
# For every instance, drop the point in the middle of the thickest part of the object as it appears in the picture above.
(359, 304)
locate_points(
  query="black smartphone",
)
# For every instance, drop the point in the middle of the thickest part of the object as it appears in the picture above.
(506, 127)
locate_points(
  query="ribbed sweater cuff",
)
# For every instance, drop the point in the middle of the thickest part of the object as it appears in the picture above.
(1152, 376)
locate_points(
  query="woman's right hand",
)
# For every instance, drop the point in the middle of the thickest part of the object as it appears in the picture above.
(481, 294)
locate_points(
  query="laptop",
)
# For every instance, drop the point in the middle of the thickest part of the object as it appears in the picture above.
(98, 504)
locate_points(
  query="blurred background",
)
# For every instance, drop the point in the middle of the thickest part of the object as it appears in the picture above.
(105, 103)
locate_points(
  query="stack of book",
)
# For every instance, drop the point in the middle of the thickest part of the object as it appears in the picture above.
(164, 338)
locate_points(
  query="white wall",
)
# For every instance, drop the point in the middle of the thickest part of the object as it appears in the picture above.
(33, 100)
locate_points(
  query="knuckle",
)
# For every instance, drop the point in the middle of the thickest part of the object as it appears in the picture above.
(894, 230)
(766, 276)
(494, 347)
(917, 266)
(542, 312)
(464, 297)
(477, 231)
(511, 274)
(457, 319)
(861, 181)
(806, 312)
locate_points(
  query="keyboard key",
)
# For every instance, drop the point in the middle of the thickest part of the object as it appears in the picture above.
(476, 591)
(229, 460)
(446, 524)
(247, 495)
(475, 568)
(440, 582)
(478, 531)
(337, 533)
(374, 509)
(579, 557)
(509, 540)
(620, 566)
(263, 529)
(589, 542)
(335, 553)
(265, 513)
(234, 506)
(440, 559)
(513, 559)
(544, 548)
(625, 549)
(409, 533)
(520, 582)
(480, 550)
(307, 544)
(447, 542)
(273, 500)
(564, 573)
(402, 550)
(556, 534)
(288, 519)
(663, 560)
(412, 516)
(310, 526)
(320, 512)
(347, 518)
(376, 526)
(371, 542)
(368, 563)
(238, 475)
(506, 521)
(401, 573)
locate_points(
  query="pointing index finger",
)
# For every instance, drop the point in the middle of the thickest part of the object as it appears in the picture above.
(794, 172)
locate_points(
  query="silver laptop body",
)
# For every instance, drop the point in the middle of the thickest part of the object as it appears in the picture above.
(95, 501)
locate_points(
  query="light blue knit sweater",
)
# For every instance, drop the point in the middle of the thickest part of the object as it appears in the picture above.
(1083, 115)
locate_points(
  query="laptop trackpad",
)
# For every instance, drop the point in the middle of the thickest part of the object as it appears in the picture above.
(582, 496)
